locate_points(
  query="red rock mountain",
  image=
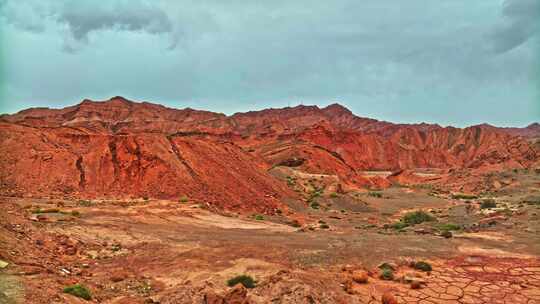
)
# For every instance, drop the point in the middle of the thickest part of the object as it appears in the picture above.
(120, 148)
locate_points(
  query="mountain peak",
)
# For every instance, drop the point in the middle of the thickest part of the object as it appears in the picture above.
(337, 109)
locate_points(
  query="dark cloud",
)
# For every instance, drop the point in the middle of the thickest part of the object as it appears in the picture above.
(522, 21)
(85, 18)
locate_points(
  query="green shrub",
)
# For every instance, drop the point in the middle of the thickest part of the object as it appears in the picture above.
(75, 213)
(291, 181)
(424, 266)
(463, 196)
(245, 280)
(324, 226)
(333, 195)
(184, 199)
(259, 217)
(315, 205)
(50, 210)
(448, 227)
(375, 194)
(399, 225)
(417, 217)
(387, 274)
(79, 291)
(488, 204)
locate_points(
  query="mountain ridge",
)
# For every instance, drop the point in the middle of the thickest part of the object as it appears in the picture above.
(125, 148)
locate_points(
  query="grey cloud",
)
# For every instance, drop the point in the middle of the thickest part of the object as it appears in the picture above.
(120, 16)
(29, 16)
(81, 18)
(522, 21)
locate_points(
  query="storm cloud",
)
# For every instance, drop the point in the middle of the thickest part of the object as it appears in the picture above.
(82, 18)
(522, 21)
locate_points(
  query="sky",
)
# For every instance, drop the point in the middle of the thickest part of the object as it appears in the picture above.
(452, 62)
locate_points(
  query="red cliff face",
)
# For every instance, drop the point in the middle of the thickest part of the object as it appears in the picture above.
(120, 148)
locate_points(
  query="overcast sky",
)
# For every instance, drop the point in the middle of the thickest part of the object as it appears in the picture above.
(458, 62)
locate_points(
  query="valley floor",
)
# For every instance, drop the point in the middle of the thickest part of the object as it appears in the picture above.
(153, 251)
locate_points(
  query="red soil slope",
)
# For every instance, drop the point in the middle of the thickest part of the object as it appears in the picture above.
(120, 148)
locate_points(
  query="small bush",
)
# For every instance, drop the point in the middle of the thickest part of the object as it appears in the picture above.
(387, 274)
(333, 195)
(184, 199)
(295, 224)
(259, 217)
(315, 205)
(245, 280)
(399, 225)
(375, 194)
(50, 210)
(417, 217)
(75, 213)
(446, 234)
(324, 226)
(488, 204)
(449, 227)
(291, 181)
(79, 291)
(424, 266)
(463, 196)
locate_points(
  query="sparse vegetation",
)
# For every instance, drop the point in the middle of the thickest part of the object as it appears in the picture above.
(399, 225)
(295, 224)
(291, 181)
(317, 192)
(446, 234)
(85, 203)
(417, 217)
(463, 196)
(375, 194)
(333, 195)
(259, 217)
(448, 227)
(423, 266)
(50, 210)
(532, 200)
(245, 280)
(488, 204)
(387, 274)
(324, 226)
(184, 199)
(79, 291)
